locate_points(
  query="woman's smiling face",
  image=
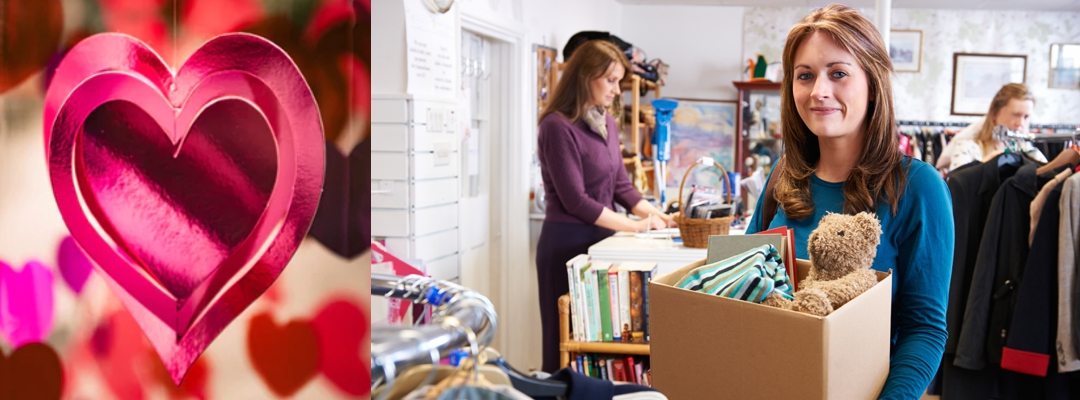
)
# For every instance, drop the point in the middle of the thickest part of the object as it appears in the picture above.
(830, 88)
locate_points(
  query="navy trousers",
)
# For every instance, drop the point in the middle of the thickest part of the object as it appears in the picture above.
(559, 242)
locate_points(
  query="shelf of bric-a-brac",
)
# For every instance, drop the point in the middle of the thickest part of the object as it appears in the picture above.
(568, 346)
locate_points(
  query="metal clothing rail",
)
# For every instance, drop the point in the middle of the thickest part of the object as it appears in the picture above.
(460, 316)
(932, 123)
(947, 124)
(1002, 134)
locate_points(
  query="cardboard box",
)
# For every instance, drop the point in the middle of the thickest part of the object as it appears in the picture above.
(709, 347)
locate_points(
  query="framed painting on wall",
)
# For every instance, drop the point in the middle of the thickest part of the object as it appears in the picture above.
(905, 50)
(978, 77)
(701, 128)
(1064, 66)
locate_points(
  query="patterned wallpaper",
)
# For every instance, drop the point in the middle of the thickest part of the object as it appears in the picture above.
(926, 95)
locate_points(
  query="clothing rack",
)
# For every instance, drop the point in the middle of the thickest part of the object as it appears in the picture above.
(1021, 299)
(460, 317)
(961, 124)
(933, 123)
(1000, 133)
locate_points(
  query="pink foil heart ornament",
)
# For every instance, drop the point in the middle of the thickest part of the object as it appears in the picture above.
(73, 265)
(192, 191)
(26, 303)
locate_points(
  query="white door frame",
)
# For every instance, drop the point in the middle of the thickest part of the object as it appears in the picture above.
(511, 136)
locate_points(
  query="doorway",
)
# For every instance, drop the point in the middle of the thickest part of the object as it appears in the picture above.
(493, 205)
(475, 208)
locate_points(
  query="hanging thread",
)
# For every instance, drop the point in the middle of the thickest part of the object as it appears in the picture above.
(175, 29)
(350, 73)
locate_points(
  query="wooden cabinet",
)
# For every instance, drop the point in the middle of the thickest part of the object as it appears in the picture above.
(757, 125)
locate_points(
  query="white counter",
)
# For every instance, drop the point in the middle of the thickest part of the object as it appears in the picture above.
(667, 255)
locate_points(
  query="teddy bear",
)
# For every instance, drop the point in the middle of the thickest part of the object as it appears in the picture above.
(841, 249)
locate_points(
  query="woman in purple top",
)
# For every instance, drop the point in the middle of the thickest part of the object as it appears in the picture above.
(583, 173)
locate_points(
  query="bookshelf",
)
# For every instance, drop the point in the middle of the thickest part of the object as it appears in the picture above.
(638, 120)
(634, 86)
(567, 346)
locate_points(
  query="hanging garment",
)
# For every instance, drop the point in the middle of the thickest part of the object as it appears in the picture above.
(998, 250)
(965, 384)
(496, 392)
(928, 147)
(1068, 260)
(972, 188)
(916, 148)
(905, 143)
(937, 144)
(943, 142)
(1040, 201)
(586, 388)
(1003, 250)
(1029, 345)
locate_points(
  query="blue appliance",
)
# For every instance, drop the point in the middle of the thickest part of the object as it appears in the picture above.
(661, 145)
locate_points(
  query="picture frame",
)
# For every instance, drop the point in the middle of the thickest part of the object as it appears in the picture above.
(977, 77)
(905, 49)
(701, 128)
(1064, 66)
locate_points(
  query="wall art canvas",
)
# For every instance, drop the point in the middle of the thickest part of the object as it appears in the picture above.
(701, 128)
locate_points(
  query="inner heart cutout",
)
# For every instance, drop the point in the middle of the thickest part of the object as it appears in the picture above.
(190, 191)
(128, 156)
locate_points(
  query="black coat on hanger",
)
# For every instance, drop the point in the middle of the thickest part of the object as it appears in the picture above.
(530, 386)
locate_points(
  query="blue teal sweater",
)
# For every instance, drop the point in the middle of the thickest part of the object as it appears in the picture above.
(917, 245)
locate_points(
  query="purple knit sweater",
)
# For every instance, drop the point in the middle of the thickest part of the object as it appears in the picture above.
(582, 172)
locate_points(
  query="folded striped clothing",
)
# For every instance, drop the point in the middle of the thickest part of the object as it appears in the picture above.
(749, 276)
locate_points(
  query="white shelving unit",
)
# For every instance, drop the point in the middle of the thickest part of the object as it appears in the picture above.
(415, 157)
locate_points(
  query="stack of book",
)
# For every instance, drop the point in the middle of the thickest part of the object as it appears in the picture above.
(609, 302)
(614, 368)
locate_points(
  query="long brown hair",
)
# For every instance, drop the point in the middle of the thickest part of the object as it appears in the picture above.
(878, 175)
(985, 138)
(588, 62)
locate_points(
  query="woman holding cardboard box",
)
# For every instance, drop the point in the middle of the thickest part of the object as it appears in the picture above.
(842, 156)
(583, 175)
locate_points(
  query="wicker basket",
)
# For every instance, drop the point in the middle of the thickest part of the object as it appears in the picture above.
(695, 232)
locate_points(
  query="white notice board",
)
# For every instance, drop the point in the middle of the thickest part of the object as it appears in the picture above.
(431, 50)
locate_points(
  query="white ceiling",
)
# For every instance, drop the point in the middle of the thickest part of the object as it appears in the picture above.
(1023, 5)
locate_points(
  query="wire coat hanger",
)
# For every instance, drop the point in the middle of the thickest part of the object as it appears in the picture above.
(470, 366)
